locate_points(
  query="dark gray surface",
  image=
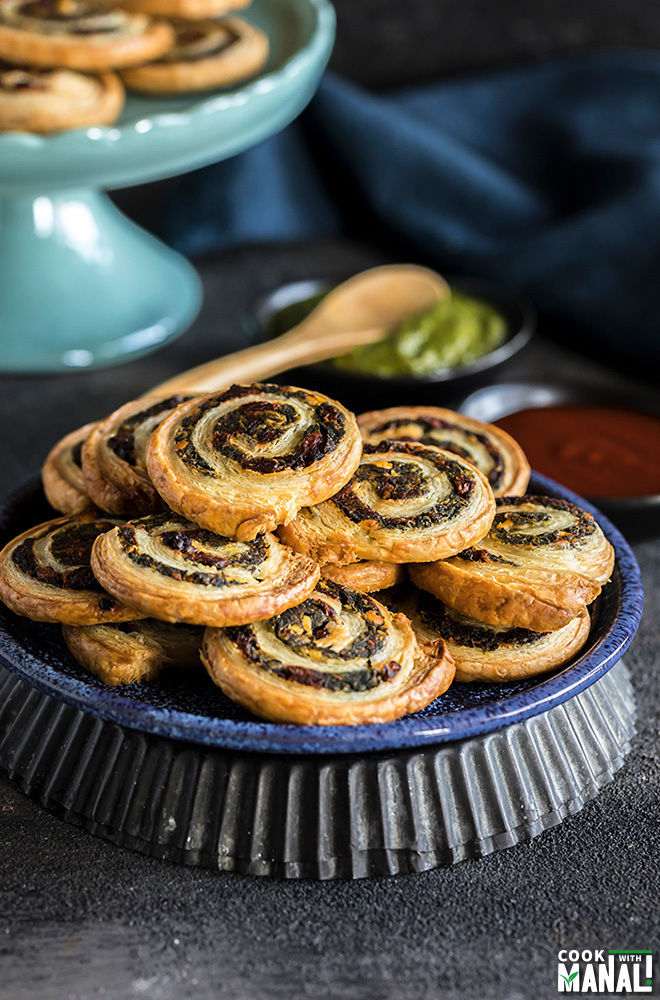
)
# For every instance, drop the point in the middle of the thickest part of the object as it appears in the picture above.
(413, 40)
(79, 918)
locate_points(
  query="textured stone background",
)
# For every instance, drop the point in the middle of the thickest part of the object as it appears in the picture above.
(81, 919)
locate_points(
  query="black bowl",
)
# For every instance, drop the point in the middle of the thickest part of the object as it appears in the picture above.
(640, 516)
(361, 391)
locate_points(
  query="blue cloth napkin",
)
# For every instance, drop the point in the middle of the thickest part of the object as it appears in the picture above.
(547, 177)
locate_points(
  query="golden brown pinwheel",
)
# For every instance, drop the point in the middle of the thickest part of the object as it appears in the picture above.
(489, 449)
(133, 651)
(45, 574)
(79, 34)
(368, 575)
(339, 657)
(245, 460)
(206, 54)
(405, 503)
(62, 475)
(113, 457)
(51, 100)
(174, 570)
(494, 653)
(542, 562)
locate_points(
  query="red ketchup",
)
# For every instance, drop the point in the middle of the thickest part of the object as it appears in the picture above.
(598, 451)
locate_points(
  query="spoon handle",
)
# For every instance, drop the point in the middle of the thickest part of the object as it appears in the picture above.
(262, 361)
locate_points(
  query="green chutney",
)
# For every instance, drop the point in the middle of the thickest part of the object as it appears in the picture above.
(457, 330)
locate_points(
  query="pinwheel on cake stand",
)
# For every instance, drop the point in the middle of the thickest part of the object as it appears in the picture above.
(80, 285)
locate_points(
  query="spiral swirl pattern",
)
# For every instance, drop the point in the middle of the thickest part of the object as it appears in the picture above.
(489, 449)
(540, 530)
(406, 487)
(46, 573)
(536, 521)
(542, 562)
(127, 431)
(172, 569)
(113, 457)
(197, 40)
(81, 35)
(406, 502)
(280, 431)
(349, 630)
(71, 17)
(206, 54)
(339, 656)
(247, 459)
(173, 548)
(59, 555)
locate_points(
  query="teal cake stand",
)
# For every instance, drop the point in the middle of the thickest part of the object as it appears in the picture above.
(80, 285)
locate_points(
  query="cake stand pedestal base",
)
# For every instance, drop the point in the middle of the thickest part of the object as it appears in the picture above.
(83, 287)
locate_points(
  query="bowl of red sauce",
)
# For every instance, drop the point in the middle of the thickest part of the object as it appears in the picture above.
(599, 441)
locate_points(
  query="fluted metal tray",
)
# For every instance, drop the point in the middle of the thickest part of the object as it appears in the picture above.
(343, 816)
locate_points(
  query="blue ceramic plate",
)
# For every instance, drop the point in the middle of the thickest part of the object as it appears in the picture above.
(187, 707)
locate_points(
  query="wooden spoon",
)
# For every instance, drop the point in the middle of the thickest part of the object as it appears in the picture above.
(362, 310)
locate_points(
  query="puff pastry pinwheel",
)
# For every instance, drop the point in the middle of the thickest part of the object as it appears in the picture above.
(490, 653)
(79, 34)
(51, 100)
(191, 9)
(245, 460)
(339, 657)
(113, 457)
(406, 503)
(62, 475)
(174, 570)
(45, 574)
(489, 449)
(206, 54)
(368, 575)
(134, 651)
(541, 563)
